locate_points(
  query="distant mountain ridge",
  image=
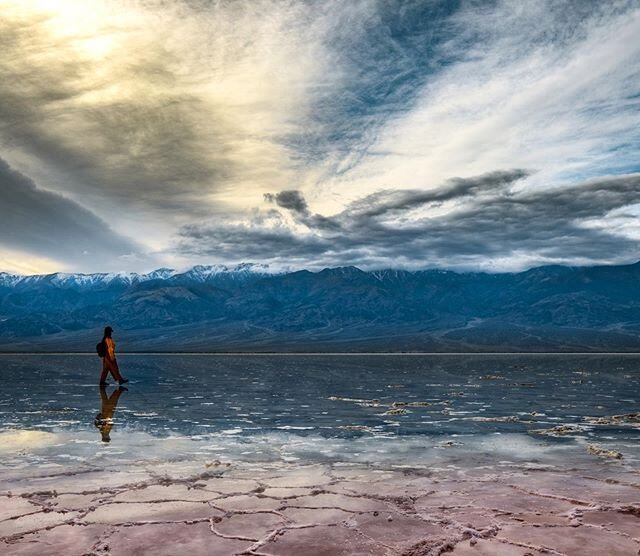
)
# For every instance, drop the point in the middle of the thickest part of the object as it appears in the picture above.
(197, 273)
(249, 307)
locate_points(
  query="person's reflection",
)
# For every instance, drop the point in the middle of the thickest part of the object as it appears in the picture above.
(104, 419)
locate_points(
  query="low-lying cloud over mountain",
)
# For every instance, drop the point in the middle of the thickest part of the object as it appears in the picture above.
(466, 223)
(50, 225)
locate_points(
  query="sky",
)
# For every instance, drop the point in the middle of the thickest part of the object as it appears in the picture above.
(468, 135)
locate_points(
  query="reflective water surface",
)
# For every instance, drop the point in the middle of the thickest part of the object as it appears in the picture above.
(399, 409)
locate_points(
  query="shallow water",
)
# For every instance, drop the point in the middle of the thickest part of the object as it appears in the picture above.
(401, 410)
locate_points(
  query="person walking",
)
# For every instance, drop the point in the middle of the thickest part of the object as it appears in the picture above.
(109, 362)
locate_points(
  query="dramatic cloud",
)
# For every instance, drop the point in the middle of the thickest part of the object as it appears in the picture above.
(481, 222)
(546, 85)
(52, 227)
(158, 116)
(292, 200)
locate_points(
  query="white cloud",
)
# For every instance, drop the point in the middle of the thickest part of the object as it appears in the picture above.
(536, 92)
(159, 115)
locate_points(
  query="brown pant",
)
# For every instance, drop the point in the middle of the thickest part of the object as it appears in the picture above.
(110, 365)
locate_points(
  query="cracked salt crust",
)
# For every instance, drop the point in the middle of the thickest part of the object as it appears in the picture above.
(324, 510)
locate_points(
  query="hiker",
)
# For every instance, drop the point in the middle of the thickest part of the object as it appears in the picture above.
(104, 419)
(107, 350)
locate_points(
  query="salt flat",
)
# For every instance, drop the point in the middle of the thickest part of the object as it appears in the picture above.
(418, 455)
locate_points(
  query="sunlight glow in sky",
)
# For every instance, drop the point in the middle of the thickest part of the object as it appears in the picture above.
(492, 135)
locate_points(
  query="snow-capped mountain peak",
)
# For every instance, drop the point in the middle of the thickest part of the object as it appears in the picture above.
(198, 273)
(204, 273)
(160, 274)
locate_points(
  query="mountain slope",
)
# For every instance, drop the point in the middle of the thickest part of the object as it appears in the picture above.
(344, 309)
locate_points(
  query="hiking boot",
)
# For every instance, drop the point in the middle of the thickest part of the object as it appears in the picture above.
(123, 380)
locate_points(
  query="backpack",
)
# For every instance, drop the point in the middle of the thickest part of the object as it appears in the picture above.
(101, 349)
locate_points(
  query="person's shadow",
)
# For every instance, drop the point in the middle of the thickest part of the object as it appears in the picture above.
(104, 419)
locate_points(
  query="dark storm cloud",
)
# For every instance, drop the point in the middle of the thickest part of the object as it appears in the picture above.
(397, 200)
(291, 199)
(49, 225)
(247, 242)
(486, 220)
(132, 134)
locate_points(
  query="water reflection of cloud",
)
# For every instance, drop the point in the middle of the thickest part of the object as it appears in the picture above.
(137, 447)
(13, 440)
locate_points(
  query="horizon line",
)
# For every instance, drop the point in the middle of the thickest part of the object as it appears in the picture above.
(354, 353)
(303, 269)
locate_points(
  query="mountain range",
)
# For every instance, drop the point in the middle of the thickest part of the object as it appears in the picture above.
(248, 307)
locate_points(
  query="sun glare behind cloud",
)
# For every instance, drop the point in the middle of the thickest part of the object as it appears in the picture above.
(162, 119)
